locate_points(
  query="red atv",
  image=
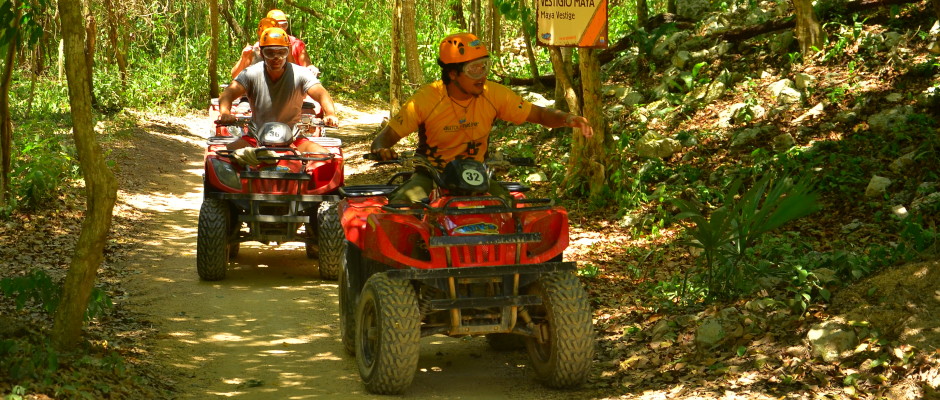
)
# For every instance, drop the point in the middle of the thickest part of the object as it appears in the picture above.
(460, 263)
(283, 199)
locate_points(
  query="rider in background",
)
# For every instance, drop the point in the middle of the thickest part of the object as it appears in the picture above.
(454, 115)
(276, 90)
(252, 54)
(298, 48)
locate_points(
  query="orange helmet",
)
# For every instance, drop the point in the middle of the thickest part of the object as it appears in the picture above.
(273, 37)
(277, 15)
(461, 47)
(265, 24)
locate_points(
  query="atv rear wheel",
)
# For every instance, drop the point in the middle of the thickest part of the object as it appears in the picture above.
(331, 240)
(347, 298)
(563, 359)
(387, 334)
(212, 251)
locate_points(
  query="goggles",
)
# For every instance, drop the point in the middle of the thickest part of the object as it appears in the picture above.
(477, 69)
(275, 52)
(283, 24)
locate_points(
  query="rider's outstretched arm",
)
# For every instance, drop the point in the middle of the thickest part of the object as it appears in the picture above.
(382, 144)
(552, 118)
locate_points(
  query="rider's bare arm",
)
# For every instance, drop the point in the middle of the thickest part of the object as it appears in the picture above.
(552, 118)
(232, 92)
(319, 93)
(382, 145)
(244, 61)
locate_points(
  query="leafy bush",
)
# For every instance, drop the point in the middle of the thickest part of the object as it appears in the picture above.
(41, 163)
(727, 234)
(37, 287)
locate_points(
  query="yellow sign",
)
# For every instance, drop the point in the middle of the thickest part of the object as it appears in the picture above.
(572, 23)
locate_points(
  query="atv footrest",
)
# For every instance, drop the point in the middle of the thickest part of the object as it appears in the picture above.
(291, 176)
(476, 240)
(366, 190)
(467, 272)
(276, 198)
(274, 218)
(485, 302)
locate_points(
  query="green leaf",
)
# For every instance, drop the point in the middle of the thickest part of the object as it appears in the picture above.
(742, 351)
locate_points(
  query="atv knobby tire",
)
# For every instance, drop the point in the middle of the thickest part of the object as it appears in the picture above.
(564, 359)
(212, 251)
(331, 241)
(347, 299)
(387, 334)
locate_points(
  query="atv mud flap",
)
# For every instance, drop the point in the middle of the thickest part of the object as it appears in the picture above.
(512, 277)
(294, 212)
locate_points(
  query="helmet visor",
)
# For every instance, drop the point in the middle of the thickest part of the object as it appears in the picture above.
(275, 52)
(477, 69)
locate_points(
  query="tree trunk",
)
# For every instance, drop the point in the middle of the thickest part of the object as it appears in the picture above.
(458, 17)
(6, 122)
(808, 31)
(213, 49)
(410, 42)
(671, 6)
(249, 24)
(394, 92)
(226, 12)
(642, 12)
(90, 43)
(113, 37)
(100, 186)
(588, 155)
(494, 30)
(529, 52)
(564, 86)
(475, 11)
(936, 7)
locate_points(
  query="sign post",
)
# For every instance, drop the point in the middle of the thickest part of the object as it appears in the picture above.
(572, 23)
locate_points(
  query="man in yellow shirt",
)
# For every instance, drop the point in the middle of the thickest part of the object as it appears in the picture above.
(453, 116)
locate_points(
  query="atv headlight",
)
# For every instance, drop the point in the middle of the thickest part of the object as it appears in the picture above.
(226, 173)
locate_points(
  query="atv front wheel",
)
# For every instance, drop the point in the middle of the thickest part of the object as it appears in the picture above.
(347, 299)
(331, 241)
(563, 358)
(387, 334)
(212, 251)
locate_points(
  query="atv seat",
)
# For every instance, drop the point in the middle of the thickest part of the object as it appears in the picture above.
(515, 187)
(366, 190)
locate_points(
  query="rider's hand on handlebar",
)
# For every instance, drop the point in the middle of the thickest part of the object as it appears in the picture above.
(385, 154)
(331, 120)
(226, 118)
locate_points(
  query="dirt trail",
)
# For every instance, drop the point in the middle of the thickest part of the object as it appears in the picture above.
(270, 329)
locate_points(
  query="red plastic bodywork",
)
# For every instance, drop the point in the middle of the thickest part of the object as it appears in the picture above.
(390, 237)
(326, 176)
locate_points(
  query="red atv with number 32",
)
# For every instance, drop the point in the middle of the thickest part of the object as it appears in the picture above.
(460, 263)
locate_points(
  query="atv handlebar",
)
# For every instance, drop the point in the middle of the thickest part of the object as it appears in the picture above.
(294, 155)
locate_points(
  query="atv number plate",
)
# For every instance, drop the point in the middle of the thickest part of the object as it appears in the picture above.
(472, 177)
